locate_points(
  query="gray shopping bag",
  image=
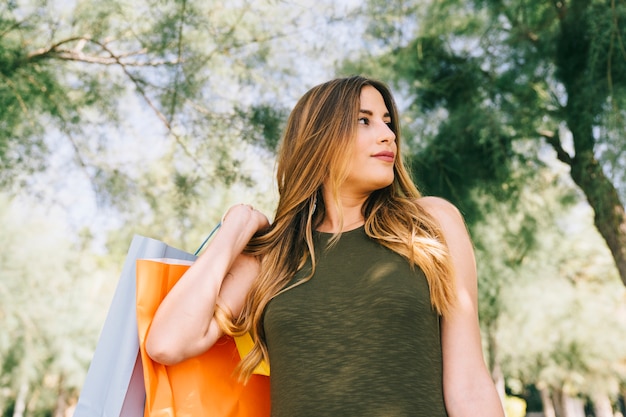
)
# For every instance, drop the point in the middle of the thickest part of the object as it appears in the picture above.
(114, 384)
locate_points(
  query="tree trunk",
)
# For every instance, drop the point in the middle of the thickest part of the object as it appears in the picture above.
(546, 401)
(61, 405)
(602, 406)
(586, 97)
(573, 407)
(557, 400)
(609, 213)
(567, 406)
(20, 400)
(609, 217)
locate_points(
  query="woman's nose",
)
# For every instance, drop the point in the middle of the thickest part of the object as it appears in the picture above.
(386, 134)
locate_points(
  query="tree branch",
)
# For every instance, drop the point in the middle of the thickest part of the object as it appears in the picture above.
(68, 55)
(560, 7)
(615, 29)
(51, 48)
(76, 54)
(160, 115)
(555, 142)
(179, 54)
(112, 58)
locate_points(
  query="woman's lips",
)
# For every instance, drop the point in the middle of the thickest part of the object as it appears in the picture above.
(385, 156)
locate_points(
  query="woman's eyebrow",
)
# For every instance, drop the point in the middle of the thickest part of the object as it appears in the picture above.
(370, 113)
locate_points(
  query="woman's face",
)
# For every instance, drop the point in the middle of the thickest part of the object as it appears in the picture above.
(375, 150)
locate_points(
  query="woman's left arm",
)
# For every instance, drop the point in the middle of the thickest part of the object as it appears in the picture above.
(468, 388)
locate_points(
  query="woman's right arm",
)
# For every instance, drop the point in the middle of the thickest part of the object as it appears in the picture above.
(184, 324)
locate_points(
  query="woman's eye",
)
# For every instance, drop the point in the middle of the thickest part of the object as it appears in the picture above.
(364, 121)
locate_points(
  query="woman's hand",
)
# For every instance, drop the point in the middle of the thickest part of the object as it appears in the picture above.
(247, 215)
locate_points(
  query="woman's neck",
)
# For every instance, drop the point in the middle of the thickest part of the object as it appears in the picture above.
(352, 214)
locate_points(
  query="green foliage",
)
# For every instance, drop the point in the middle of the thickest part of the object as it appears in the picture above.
(32, 89)
(581, 353)
(549, 296)
(264, 126)
(69, 69)
(471, 148)
(50, 314)
(452, 80)
(512, 233)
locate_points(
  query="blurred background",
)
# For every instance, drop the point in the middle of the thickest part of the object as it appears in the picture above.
(154, 116)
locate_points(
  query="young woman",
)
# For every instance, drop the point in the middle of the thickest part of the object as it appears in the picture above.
(361, 294)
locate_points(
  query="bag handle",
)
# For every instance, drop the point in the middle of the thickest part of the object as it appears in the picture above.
(211, 234)
(207, 238)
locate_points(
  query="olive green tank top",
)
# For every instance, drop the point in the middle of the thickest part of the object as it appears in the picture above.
(359, 339)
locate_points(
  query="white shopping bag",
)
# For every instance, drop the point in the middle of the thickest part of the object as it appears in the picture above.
(114, 385)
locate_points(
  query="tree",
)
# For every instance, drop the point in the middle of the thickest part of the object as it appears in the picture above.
(550, 298)
(512, 234)
(189, 90)
(50, 314)
(68, 72)
(500, 80)
(562, 321)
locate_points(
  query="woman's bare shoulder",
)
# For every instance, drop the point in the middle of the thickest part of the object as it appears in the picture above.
(441, 209)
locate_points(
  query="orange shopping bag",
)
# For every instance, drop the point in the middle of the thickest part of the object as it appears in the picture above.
(201, 386)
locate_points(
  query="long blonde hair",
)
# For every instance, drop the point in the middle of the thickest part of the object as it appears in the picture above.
(316, 147)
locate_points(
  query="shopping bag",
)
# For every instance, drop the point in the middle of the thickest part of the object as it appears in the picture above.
(114, 385)
(205, 385)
